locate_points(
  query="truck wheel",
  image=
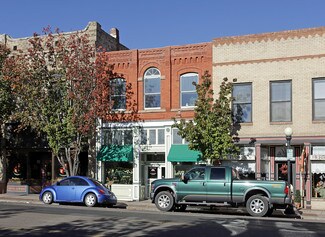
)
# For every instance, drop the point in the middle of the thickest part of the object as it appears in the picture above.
(257, 206)
(164, 201)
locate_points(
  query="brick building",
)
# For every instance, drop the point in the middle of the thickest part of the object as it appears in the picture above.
(280, 84)
(162, 81)
(27, 158)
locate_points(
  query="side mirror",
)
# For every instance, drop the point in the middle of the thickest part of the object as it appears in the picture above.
(57, 183)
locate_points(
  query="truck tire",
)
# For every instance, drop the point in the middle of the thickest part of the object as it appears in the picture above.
(257, 206)
(164, 201)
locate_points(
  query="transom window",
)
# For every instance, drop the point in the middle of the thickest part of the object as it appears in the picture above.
(319, 99)
(188, 90)
(152, 88)
(242, 104)
(153, 136)
(117, 136)
(118, 91)
(281, 101)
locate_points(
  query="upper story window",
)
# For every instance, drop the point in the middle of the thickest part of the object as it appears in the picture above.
(319, 99)
(152, 88)
(188, 90)
(177, 139)
(118, 93)
(281, 101)
(242, 104)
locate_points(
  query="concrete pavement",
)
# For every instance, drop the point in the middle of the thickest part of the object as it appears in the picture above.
(316, 213)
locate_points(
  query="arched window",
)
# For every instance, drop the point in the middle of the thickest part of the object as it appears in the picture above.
(188, 90)
(152, 88)
(118, 91)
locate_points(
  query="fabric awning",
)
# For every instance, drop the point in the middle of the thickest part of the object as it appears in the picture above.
(181, 153)
(115, 153)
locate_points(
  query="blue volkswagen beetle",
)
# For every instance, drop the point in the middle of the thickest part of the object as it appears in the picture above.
(78, 189)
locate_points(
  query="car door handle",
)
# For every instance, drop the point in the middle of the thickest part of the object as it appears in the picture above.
(204, 183)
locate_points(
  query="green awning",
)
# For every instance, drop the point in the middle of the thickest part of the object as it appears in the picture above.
(181, 153)
(115, 153)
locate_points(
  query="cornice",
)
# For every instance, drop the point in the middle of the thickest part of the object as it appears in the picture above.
(272, 36)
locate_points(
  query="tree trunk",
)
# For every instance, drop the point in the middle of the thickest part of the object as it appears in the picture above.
(3, 159)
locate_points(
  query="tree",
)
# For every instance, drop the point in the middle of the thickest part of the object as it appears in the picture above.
(211, 131)
(58, 85)
(6, 107)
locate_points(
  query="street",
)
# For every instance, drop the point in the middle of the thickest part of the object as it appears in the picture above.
(23, 219)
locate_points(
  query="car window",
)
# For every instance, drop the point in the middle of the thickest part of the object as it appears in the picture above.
(196, 174)
(65, 182)
(79, 182)
(218, 173)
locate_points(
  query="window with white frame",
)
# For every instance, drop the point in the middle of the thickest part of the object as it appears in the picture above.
(281, 101)
(242, 103)
(177, 139)
(319, 99)
(118, 93)
(152, 88)
(188, 90)
(153, 136)
(117, 137)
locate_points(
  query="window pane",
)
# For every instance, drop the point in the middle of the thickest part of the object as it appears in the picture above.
(144, 136)
(187, 82)
(242, 113)
(218, 174)
(152, 85)
(281, 112)
(319, 109)
(161, 136)
(152, 136)
(189, 98)
(177, 139)
(117, 139)
(152, 101)
(319, 89)
(242, 93)
(281, 91)
(128, 137)
(188, 90)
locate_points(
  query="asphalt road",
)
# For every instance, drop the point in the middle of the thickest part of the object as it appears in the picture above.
(17, 219)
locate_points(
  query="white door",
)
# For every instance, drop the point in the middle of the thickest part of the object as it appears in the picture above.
(153, 172)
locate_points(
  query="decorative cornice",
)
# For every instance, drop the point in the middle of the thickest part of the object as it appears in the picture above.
(270, 60)
(289, 34)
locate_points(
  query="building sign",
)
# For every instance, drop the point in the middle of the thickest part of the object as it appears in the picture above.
(152, 172)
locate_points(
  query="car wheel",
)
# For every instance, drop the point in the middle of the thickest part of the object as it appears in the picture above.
(257, 206)
(164, 201)
(47, 198)
(90, 200)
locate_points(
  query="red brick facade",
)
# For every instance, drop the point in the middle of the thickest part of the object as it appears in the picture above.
(172, 62)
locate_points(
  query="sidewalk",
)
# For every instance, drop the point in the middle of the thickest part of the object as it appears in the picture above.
(316, 213)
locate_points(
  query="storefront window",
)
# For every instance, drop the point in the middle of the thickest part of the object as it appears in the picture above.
(118, 173)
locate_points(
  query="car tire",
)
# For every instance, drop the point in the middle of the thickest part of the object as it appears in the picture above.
(47, 197)
(164, 201)
(257, 206)
(90, 200)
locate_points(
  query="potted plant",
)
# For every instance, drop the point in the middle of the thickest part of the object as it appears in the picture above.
(297, 199)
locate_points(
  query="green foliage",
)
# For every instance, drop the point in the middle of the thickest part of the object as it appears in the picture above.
(297, 197)
(6, 98)
(211, 130)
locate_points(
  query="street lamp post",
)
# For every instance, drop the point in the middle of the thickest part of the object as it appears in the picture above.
(288, 133)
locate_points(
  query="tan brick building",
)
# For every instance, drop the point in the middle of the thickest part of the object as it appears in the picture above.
(280, 84)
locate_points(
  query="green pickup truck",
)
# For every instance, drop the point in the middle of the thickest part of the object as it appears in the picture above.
(212, 185)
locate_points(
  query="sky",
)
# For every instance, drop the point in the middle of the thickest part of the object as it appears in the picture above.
(147, 24)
